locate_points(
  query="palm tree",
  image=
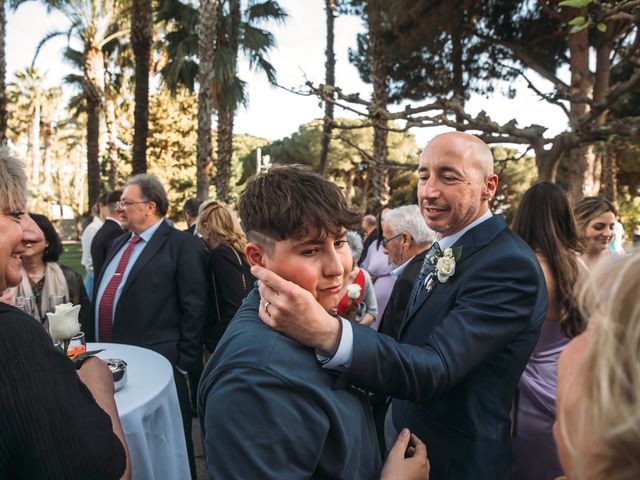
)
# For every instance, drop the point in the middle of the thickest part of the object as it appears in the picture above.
(3, 74)
(141, 36)
(95, 23)
(28, 94)
(235, 31)
(206, 37)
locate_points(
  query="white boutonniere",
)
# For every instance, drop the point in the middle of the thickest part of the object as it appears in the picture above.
(444, 266)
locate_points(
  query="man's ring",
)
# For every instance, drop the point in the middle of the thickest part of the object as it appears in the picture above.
(266, 307)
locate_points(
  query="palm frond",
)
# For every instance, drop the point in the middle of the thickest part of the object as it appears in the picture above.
(266, 11)
(42, 42)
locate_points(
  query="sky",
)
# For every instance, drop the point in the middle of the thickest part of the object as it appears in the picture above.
(274, 113)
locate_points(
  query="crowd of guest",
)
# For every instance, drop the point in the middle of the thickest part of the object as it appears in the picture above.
(533, 332)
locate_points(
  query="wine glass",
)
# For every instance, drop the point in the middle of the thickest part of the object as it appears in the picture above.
(77, 345)
(28, 305)
(55, 300)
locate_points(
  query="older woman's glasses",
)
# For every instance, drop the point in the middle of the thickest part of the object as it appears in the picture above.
(386, 241)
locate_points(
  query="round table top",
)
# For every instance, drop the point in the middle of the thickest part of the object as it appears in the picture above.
(148, 374)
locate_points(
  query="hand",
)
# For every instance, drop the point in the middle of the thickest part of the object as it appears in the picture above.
(294, 312)
(95, 374)
(407, 460)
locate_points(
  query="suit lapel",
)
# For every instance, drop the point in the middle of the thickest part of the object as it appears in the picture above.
(471, 242)
(156, 241)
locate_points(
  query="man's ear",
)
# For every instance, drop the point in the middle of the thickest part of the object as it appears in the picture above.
(490, 187)
(255, 254)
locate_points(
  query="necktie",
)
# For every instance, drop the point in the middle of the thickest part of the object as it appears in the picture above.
(105, 311)
(425, 270)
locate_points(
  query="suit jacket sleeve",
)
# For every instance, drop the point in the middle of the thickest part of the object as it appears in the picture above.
(494, 304)
(195, 295)
(257, 425)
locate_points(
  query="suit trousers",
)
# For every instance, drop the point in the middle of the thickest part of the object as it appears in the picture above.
(185, 410)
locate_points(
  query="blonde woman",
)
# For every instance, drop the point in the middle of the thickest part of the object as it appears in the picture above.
(598, 423)
(596, 218)
(230, 272)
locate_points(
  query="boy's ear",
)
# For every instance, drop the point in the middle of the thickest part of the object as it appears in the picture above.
(255, 254)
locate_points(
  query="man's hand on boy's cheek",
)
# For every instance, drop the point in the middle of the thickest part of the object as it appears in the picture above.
(293, 311)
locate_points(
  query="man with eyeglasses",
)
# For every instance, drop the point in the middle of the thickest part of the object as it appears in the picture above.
(110, 230)
(153, 290)
(406, 239)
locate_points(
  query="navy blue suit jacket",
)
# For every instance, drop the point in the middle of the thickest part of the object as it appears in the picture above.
(461, 352)
(269, 410)
(166, 297)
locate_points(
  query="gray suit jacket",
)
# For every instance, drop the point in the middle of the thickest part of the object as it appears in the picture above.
(268, 410)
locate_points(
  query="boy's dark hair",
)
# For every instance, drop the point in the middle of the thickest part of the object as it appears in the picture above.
(290, 202)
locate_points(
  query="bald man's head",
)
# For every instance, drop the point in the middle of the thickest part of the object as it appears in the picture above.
(455, 181)
(467, 147)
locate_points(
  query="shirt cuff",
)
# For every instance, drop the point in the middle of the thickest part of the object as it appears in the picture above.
(342, 358)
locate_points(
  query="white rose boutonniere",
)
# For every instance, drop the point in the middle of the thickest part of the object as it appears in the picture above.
(63, 323)
(353, 291)
(445, 263)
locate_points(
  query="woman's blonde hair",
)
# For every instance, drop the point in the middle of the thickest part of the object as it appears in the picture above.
(607, 408)
(218, 225)
(13, 194)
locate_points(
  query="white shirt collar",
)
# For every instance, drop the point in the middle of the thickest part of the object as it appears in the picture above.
(113, 220)
(447, 242)
(396, 272)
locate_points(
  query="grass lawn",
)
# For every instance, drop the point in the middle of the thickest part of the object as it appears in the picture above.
(71, 257)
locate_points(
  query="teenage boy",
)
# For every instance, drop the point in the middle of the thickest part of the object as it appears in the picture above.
(267, 408)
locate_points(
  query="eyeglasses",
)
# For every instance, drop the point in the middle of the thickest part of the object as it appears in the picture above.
(126, 203)
(385, 241)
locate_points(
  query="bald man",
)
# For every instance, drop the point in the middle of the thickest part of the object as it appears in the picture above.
(470, 325)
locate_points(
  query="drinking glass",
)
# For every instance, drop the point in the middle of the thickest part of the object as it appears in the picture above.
(56, 300)
(27, 305)
(77, 345)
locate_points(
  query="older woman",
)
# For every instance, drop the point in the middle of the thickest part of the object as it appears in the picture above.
(598, 426)
(597, 219)
(358, 302)
(43, 277)
(231, 277)
(55, 423)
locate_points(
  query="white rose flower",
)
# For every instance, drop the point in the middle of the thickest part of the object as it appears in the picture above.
(63, 323)
(448, 252)
(445, 267)
(353, 291)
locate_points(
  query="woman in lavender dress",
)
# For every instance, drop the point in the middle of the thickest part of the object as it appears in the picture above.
(545, 221)
(376, 263)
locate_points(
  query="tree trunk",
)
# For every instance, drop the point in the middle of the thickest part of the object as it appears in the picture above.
(206, 38)
(47, 135)
(330, 80)
(93, 89)
(582, 161)
(378, 194)
(225, 153)
(141, 32)
(3, 74)
(112, 139)
(34, 140)
(610, 174)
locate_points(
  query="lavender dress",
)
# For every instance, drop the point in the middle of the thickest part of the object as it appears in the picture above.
(534, 450)
(377, 264)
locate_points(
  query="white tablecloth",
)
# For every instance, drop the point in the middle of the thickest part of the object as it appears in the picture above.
(150, 413)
